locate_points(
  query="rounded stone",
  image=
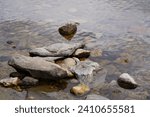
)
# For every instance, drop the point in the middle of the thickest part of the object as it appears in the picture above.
(80, 89)
(126, 81)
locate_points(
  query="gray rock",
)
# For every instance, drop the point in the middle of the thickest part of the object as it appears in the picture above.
(84, 71)
(81, 53)
(126, 81)
(50, 59)
(95, 97)
(10, 82)
(57, 50)
(38, 68)
(29, 81)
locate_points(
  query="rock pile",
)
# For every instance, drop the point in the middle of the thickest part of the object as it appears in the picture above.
(54, 62)
(61, 61)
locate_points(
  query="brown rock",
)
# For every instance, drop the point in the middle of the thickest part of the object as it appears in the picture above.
(80, 89)
(81, 53)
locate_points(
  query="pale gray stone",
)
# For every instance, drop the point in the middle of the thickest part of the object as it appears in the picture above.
(57, 50)
(38, 68)
(84, 71)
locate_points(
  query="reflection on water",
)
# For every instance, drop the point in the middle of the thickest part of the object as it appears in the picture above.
(121, 28)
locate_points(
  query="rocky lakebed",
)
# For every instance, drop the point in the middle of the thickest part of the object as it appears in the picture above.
(74, 70)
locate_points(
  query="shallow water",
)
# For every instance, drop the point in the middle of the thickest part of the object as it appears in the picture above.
(121, 29)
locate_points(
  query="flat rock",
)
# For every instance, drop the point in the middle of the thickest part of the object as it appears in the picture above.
(50, 59)
(126, 81)
(38, 68)
(10, 82)
(95, 97)
(84, 71)
(57, 50)
(81, 53)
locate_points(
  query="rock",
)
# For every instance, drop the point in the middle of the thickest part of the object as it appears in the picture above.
(74, 81)
(84, 71)
(10, 82)
(81, 53)
(126, 81)
(67, 63)
(16, 74)
(95, 97)
(68, 30)
(29, 81)
(38, 68)
(50, 59)
(80, 89)
(57, 50)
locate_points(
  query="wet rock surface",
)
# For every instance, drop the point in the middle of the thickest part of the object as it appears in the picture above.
(29, 81)
(57, 50)
(126, 81)
(84, 71)
(80, 90)
(68, 30)
(37, 67)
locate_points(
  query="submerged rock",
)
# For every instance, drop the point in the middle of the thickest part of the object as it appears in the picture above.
(126, 81)
(10, 82)
(38, 68)
(84, 71)
(59, 95)
(80, 89)
(81, 53)
(57, 50)
(29, 81)
(11, 94)
(95, 97)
